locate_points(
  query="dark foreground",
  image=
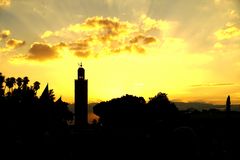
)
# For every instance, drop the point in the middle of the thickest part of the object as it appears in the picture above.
(196, 136)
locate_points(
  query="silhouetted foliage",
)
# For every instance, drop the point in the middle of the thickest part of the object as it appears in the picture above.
(228, 104)
(28, 116)
(2, 79)
(161, 106)
(36, 85)
(133, 111)
(127, 110)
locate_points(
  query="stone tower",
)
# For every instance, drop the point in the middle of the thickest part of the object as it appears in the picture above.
(81, 98)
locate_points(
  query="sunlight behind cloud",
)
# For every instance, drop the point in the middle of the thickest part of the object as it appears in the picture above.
(4, 3)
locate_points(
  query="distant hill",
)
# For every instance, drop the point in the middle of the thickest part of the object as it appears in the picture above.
(180, 105)
(203, 106)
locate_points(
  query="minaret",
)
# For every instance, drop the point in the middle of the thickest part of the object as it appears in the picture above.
(81, 98)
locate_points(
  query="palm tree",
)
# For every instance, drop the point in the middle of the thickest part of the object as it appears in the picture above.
(19, 81)
(36, 86)
(25, 82)
(13, 82)
(10, 83)
(51, 95)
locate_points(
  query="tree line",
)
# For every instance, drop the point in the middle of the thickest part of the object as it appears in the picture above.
(25, 115)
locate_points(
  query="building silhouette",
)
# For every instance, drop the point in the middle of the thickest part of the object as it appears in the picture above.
(81, 98)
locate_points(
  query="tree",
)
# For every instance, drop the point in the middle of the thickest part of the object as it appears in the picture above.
(51, 95)
(19, 81)
(228, 104)
(62, 111)
(161, 104)
(127, 110)
(2, 79)
(36, 86)
(47, 96)
(25, 82)
(31, 116)
(10, 83)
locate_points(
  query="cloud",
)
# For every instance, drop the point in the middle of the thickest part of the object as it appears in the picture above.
(14, 43)
(226, 39)
(100, 35)
(46, 34)
(4, 3)
(227, 33)
(140, 39)
(42, 51)
(150, 25)
(10, 44)
(233, 14)
(4, 34)
(213, 85)
(80, 48)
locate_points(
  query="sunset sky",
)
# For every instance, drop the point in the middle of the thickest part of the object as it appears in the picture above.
(189, 49)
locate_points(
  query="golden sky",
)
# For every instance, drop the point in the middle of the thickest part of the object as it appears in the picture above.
(186, 48)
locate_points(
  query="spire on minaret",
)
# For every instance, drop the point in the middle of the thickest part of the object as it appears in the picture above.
(80, 65)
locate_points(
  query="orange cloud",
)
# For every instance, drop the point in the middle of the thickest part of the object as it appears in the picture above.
(14, 43)
(80, 48)
(142, 39)
(10, 44)
(42, 51)
(4, 3)
(4, 34)
(97, 35)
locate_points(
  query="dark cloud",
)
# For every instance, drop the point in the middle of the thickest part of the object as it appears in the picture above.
(14, 43)
(61, 44)
(42, 51)
(80, 45)
(109, 28)
(141, 39)
(134, 47)
(80, 48)
(10, 44)
(82, 53)
(110, 24)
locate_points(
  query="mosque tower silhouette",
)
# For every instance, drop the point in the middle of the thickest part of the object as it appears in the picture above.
(81, 98)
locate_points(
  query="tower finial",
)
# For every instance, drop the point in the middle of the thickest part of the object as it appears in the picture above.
(80, 64)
